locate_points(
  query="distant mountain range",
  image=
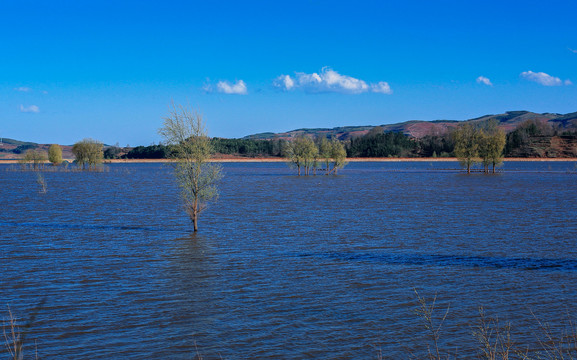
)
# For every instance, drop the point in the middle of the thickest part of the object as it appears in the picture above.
(420, 128)
(508, 121)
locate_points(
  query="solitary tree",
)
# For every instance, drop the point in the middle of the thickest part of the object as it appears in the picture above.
(88, 153)
(466, 139)
(498, 141)
(184, 130)
(491, 145)
(55, 154)
(338, 155)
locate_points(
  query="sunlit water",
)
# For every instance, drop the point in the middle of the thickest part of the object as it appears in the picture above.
(104, 265)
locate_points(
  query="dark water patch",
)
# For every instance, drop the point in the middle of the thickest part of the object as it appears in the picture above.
(450, 260)
(68, 226)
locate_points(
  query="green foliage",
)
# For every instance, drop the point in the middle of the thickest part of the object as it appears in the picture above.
(149, 152)
(379, 144)
(241, 147)
(88, 153)
(467, 139)
(325, 152)
(247, 147)
(431, 145)
(55, 154)
(491, 144)
(518, 142)
(338, 155)
(302, 153)
(112, 152)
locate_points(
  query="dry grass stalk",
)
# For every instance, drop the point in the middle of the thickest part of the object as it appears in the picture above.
(494, 340)
(558, 347)
(42, 182)
(426, 312)
(12, 338)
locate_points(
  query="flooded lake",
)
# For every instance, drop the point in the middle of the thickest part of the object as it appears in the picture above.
(105, 266)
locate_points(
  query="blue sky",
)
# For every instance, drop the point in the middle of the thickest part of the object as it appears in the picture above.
(109, 69)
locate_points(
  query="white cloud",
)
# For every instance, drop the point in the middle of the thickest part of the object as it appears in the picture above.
(572, 50)
(23, 89)
(381, 87)
(226, 87)
(544, 79)
(284, 82)
(329, 80)
(484, 80)
(29, 109)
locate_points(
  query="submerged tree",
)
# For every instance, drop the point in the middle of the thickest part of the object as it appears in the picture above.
(88, 153)
(491, 145)
(466, 139)
(302, 153)
(55, 154)
(338, 155)
(34, 157)
(184, 130)
(325, 153)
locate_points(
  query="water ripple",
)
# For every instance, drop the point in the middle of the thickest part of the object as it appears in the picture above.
(450, 260)
(90, 226)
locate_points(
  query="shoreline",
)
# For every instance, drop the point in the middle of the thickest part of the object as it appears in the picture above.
(281, 160)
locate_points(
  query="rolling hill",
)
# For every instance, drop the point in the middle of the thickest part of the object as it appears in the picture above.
(420, 128)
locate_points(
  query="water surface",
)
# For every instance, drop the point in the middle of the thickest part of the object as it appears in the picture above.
(287, 267)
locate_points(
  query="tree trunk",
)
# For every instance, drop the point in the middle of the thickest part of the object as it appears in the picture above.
(493, 168)
(195, 215)
(468, 168)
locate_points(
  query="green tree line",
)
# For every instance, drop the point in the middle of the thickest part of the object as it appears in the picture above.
(382, 144)
(376, 143)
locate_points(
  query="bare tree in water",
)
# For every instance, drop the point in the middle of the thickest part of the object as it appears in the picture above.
(184, 131)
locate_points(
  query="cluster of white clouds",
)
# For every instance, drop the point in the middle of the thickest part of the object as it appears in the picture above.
(544, 79)
(329, 80)
(29, 109)
(484, 80)
(226, 87)
(538, 77)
